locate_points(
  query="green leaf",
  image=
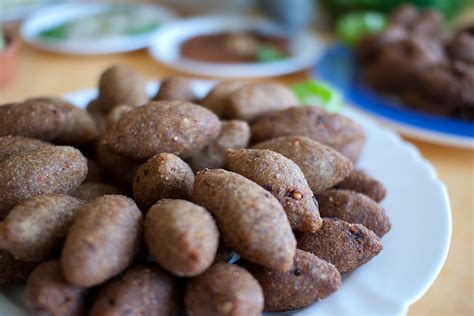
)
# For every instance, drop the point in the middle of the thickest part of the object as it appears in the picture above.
(267, 53)
(353, 26)
(314, 92)
(56, 33)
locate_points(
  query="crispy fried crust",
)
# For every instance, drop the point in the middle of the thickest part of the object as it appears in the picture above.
(48, 293)
(31, 119)
(224, 289)
(310, 279)
(345, 245)
(35, 229)
(103, 241)
(181, 236)
(176, 127)
(250, 219)
(356, 208)
(142, 290)
(333, 130)
(234, 134)
(162, 176)
(321, 165)
(360, 181)
(281, 177)
(175, 89)
(253, 101)
(121, 85)
(217, 100)
(13, 145)
(49, 169)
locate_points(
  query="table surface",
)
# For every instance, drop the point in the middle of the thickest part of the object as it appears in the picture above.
(42, 73)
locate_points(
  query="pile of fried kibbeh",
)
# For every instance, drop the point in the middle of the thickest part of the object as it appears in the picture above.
(136, 206)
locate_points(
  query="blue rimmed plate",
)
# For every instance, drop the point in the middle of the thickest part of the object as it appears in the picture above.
(339, 68)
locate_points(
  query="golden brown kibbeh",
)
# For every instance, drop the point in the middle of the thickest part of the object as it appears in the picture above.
(79, 128)
(353, 207)
(217, 100)
(253, 101)
(224, 290)
(120, 84)
(234, 134)
(310, 279)
(49, 169)
(281, 177)
(250, 219)
(14, 271)
(333, 130)
(48, 293)
(181, 236)
(95, 110)
(176, 127)
(89, 191)
(31, 119)
(143, 290)
(117, 113)
(36, 228)
(103, 241)
(345, 245)
(360, 181)
(13, 145)
(175, 89)
(162, 176)
(322, 166)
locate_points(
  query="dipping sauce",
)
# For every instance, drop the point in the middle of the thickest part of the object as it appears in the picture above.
(238, 47)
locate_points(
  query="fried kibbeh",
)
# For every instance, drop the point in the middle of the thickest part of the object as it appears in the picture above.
(117, 113)
(181, 236)
(322, 166)
(120, 84)
(162, 176)
(89, 191)
(225, 289)
(39, 120)
(250, 219)
(13, 145)
(48, 169)
(281, 177)
(145, 289)
(310, 279)
(36, 228)
(14, 271)
(103, 241)
(99, 116)
(253, 101)
(360, 181)
(217, 100)
(48, 293)
(79, 127)
(345, 245)
(175, 89)
(234, 134)
(354, 207)
(176, 127)
(333, 130)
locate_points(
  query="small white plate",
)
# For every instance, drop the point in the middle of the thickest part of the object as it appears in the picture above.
(414, 250)
(58, 14)
(306, 48)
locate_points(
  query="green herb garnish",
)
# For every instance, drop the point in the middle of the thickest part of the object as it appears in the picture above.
(267, 53)
(313, 92)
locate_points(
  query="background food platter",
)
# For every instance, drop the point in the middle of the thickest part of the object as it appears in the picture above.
(414, 250)
(338, 67)
(305, 47)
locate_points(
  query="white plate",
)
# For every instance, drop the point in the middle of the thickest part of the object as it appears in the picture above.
(305, 48)
(414, 250)
(55, 15)
(14, 10)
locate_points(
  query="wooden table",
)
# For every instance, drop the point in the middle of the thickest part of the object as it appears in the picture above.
(41, 73)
